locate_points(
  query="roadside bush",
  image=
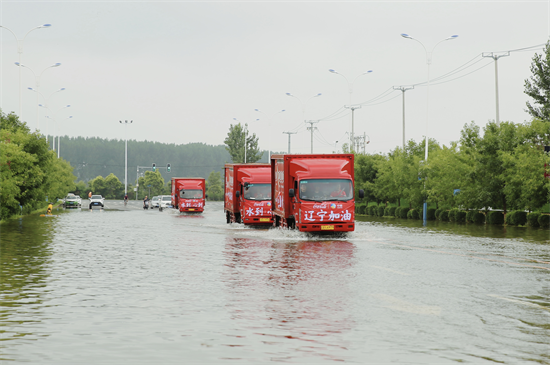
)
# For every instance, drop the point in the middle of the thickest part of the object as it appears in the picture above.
(470, 216)
(389, 211)
(460, 216)
(495, 217)
(397, 211)
(533, 219)
(380, 212)
(452, 214)
(437, 213)
(520, 218)
(431, 214)
(509, 218)
(403, 213)
(516, 218)
(478, 218)
(444, 216)
(413, 214)
(544, 221)
(370, 210)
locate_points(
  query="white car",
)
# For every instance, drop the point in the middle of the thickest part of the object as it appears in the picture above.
(97, 201)
(165, 201)
(155, 202)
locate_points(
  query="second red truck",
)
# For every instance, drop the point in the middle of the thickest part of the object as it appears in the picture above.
(248, 194)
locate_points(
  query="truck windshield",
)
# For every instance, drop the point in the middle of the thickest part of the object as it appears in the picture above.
(191, 194)
(326, 190)
(257, 192)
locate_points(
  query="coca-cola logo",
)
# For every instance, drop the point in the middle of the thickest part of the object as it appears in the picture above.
(320, 206)
(258, 204)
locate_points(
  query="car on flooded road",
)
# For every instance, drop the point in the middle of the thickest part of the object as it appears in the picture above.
(155, 202)
(72, 201)
(165, 201)
(97, 201)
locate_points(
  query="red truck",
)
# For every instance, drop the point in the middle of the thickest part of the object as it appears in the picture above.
(314, 193)
(188, 194)
(248, 193)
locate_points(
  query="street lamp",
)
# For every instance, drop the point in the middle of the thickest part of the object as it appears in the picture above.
(126, 155)
(46, 100)
(303, 104)
(20, 51)
(269, 117)
(428, 62)
(350, 88)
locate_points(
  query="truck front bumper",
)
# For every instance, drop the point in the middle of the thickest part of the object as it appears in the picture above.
(326, 227)
(259, 220)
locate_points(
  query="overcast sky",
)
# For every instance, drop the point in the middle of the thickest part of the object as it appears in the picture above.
(183, 70)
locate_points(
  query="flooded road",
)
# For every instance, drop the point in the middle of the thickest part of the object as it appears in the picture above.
(128, 286)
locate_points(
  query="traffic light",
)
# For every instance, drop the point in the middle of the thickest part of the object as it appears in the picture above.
(154, 167)
(168, 167)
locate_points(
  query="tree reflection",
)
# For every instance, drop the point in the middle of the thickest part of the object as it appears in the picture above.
(24, 256)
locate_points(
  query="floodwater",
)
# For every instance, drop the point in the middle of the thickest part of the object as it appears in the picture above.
(128, 286)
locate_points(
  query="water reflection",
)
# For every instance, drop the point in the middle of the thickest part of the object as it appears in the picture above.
(291, 291)
(25, 253)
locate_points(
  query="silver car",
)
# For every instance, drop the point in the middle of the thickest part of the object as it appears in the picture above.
(155, 202)
(72, 201)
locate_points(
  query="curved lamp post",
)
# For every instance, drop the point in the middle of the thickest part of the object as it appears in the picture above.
(36, 81)
(350, 89)
(20, 51)
(428, 62)
(270, 119)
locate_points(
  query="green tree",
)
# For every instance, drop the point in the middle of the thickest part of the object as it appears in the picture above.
(234, 144)
(214, 186)
(114, 189)
(538, 86)
(151, 184)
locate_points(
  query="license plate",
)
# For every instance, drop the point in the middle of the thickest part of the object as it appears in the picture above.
(327, 228)
(191, 210)
(264, 219)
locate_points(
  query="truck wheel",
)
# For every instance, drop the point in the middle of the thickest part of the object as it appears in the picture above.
(227, 218)
(237, 218)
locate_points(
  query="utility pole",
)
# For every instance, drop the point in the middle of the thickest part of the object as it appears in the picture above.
(496, 57)
(311, 128)
(289, 133)
(403, 89)
(352, 135)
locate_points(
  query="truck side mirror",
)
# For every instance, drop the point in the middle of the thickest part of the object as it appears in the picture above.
(361, 193)
(238, 193)
(291, 193)
(246, 184)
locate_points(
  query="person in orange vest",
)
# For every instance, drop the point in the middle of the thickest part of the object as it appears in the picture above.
(50, 208)
(89, 195)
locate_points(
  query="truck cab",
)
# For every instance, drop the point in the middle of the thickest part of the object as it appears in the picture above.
(188, 194)
(248, 194)
(314, 193)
